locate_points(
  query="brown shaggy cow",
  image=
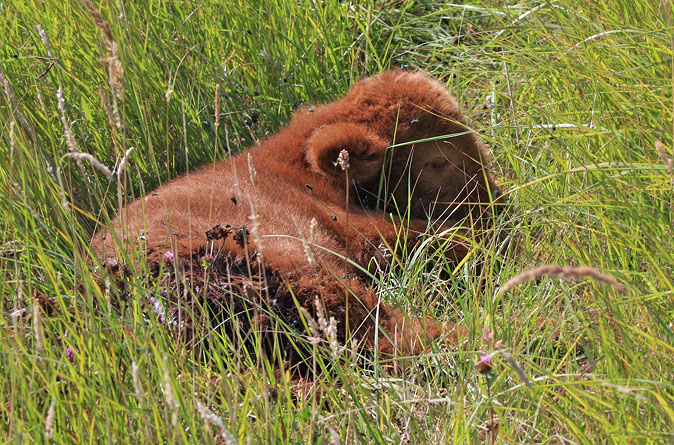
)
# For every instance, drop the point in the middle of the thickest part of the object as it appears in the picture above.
(276, 215)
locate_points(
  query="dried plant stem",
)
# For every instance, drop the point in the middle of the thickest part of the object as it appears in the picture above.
(37, 328)
(12, 144)
(14, 110)
(669, 165)
(344, 162)
(562, 272)
(114, 64)
(115, 71)
(561, 393)
(347, 294)
(492, 430)
(215, 149)
(45, 42)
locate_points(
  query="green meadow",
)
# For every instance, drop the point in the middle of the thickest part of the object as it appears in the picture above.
(100, 103)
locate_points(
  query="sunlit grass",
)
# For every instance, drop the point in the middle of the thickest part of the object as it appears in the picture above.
(571, 98)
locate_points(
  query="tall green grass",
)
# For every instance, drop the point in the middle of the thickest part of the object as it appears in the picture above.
(571, 98)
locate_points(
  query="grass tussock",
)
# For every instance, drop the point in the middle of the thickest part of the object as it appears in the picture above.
(103, 101)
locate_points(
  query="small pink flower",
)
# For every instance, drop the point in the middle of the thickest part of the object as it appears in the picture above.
(70, 354)
(484, 364)
(168, 257)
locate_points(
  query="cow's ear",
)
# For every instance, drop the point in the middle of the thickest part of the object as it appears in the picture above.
(366, 151)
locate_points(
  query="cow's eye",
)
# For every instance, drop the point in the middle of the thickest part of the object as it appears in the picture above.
(436, 165)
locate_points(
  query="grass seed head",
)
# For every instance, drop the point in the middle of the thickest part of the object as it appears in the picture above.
(98, 165)
(67, 131)
(251, 169)
(171, 401)
(562, 272)
(343, 160)
(210, 418)
(135, 374)
(49, 420)
(255, 233)
(669, 163)
(11, 141)
(217, 106)
(123, 161)
(37, 328)
(45, 40)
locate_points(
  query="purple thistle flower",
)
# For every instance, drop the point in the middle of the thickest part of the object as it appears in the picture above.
(168, 257)
(484, 364)
(70, 354)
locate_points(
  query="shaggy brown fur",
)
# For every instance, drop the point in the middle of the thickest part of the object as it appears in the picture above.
(297, 180)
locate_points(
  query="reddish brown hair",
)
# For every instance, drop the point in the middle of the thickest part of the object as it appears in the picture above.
(440, 176)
